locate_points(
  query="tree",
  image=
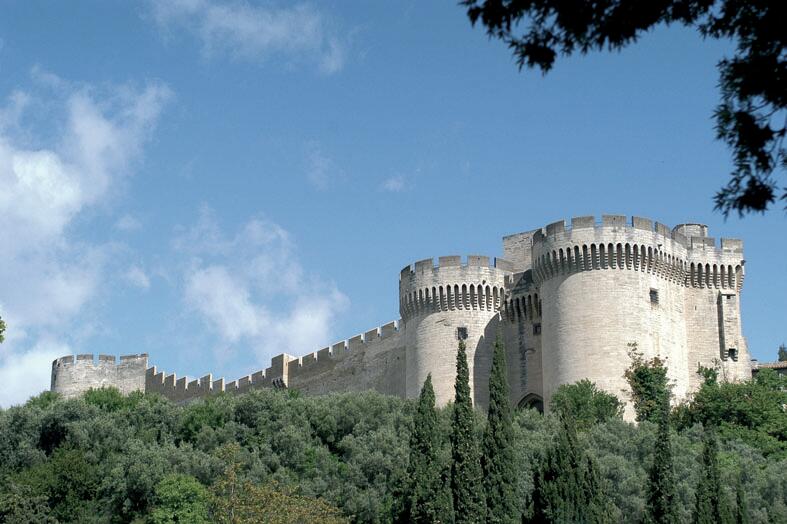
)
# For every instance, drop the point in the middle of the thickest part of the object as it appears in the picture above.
(584, 403)
(660, 505)
(2, 330)
(180, 498)
(20, 504)
(650, 390)
(741, 507)
(782, 353)
(566, 486)
(239, 501)
(466, 486)
(751, 117)
(497, 459)
(710, 507)
(751, 411)
(426, 499)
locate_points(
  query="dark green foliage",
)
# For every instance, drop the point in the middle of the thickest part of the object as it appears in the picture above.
(567, 487)
(111, 399)
(497, 459)
(69, 480)
(213, 414)
(585, 404)
(21, 504)
(661, 493)
(741, 508)
(180, 498)
(650, 389)
(426, 498)
(750, 118)
(2, 330)
(710, 506)
(750, 411)
(466, 483)
(110, 456)
(782, 353)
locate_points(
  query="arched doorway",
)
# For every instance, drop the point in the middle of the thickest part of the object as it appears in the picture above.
(531, 401)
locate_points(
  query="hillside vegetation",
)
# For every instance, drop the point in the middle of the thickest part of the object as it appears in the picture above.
(275, 456)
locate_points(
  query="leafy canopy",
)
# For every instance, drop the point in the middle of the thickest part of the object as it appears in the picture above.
(585, 404)
(751, 117)
(650, 389)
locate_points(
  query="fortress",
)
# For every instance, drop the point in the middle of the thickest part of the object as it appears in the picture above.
(566, 299)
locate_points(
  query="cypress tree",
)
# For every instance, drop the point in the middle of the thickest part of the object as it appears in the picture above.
(426, 497)
(741, 508)
(710, 507)
(598, 507)
(556, 481)
(466, 482)
(660, 507)
(498, 456)
(566, 484)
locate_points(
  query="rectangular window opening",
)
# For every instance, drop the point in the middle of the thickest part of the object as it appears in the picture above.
(536, 329)
(461, 333)
(654, 297)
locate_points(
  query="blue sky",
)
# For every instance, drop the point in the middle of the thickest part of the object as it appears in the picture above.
(217, 182)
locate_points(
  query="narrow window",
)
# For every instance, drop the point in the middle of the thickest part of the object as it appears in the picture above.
(461, 333)
(536, 329)
(733, 354)
(654, 297)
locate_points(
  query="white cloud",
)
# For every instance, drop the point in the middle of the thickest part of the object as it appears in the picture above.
(255, 32)
(49, 176)
(128, 223)
(395, 184)
(137, 277)
(28, 373)
(251, 290)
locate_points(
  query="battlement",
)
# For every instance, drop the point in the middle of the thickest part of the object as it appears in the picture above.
(455, 261)
(690, 236)
(283, 368)
(182, 389)
(479, 282)
(640, 244)
(73, 375)
(89, 359)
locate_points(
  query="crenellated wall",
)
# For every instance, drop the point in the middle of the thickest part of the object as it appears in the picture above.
(567, 300)
(72, 376)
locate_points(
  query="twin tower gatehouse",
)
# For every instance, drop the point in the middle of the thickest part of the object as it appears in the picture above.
(567, 300)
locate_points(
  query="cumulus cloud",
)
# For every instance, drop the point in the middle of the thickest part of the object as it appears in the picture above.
(251, 290)
(255, 32)
(48, 179)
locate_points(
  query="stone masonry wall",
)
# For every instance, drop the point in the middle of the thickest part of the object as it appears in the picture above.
(72, 376)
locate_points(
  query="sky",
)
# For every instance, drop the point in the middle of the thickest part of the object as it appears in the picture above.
(216, 182)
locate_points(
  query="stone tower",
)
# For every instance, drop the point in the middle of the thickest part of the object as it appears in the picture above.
(439, 306)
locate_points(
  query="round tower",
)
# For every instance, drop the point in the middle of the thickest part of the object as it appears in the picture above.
(605, 286)
(73, 376)
(443, 304)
